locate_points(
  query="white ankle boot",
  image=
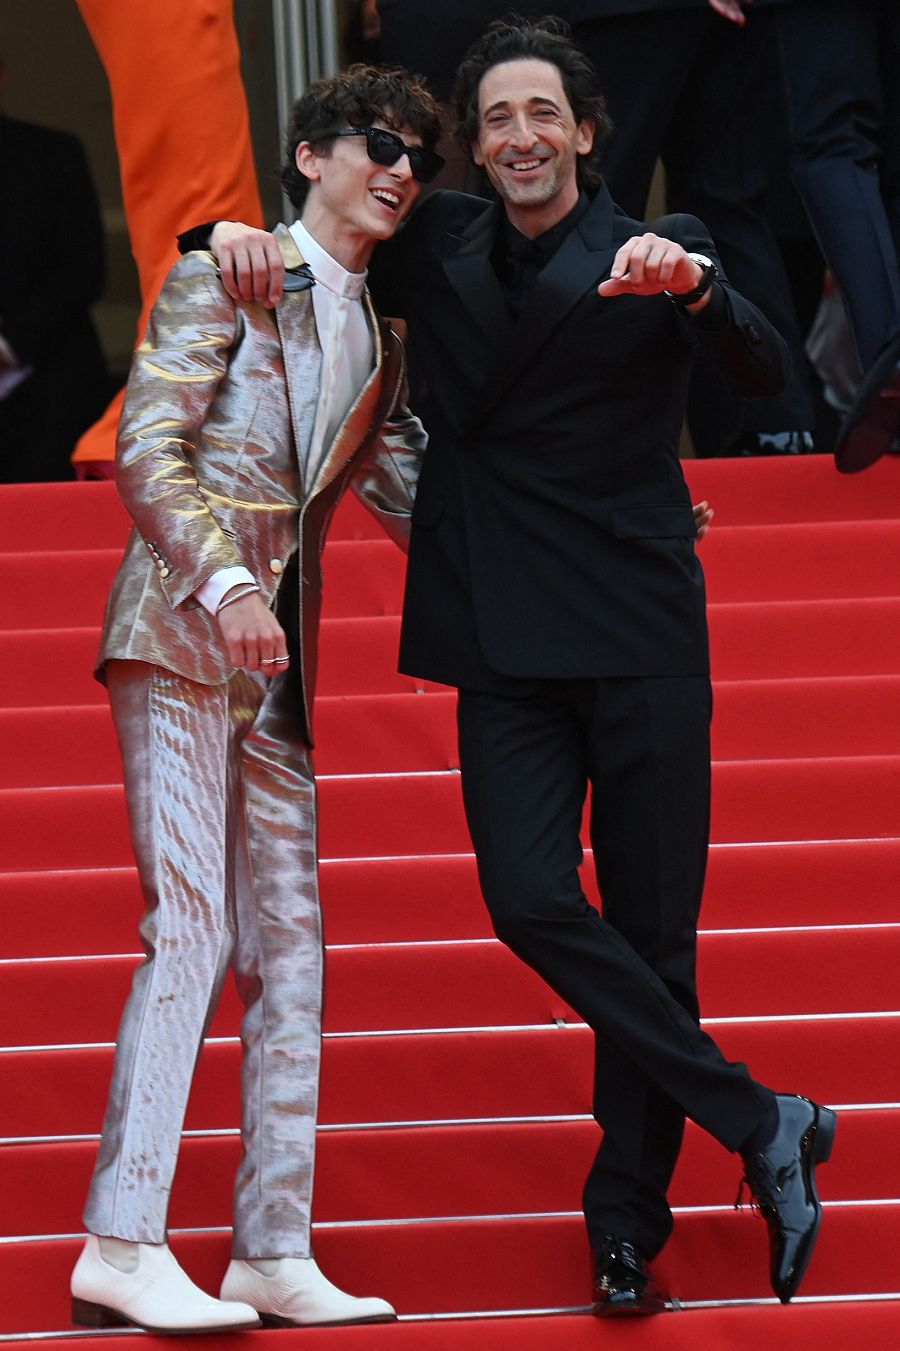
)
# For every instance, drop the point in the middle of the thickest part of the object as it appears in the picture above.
(157, 1295)
(298, 1295)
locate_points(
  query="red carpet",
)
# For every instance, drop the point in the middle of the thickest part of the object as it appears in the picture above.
(456, 1087)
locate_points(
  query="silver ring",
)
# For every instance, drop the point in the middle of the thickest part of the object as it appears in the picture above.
(273, 661)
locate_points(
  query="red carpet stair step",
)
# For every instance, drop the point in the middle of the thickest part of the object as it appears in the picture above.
(396, 733)
(365, 577)
(380, 900)
(455, 1123)
(811, 1326)
(399, 1173)
(481, 1264)
(457, 1076)
(847, 797)
(749, 640)
(479, 984)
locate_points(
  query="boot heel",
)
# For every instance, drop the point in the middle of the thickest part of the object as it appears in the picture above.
(826, 1125)
(90, 1315)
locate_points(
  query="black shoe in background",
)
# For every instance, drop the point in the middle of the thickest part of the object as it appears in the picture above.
(872, 426)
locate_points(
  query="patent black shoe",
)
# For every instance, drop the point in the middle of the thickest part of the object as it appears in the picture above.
(622, 1283)
(782, 1178)
(872, 425)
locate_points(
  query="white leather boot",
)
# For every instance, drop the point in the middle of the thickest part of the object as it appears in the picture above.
(296, 1294)
(155, 1295)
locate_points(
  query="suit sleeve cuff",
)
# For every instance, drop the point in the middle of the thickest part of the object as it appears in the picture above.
(197, 237)
(716, 313)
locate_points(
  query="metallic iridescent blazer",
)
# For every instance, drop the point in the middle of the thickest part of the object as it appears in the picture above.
(221, 397)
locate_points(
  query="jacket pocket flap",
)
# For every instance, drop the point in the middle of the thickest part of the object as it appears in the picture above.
(663, 522)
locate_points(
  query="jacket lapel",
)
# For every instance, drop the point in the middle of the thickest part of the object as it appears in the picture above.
(296, 322)
(302, 364)
(468, 268)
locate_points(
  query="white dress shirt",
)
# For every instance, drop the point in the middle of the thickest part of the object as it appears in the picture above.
(348, 352)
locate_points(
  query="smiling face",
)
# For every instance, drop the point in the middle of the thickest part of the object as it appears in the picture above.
(529, 141)
(353, 203)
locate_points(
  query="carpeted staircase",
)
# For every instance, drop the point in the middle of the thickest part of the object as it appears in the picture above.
(455, 1127)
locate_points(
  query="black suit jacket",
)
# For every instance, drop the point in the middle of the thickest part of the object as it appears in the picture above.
(51, 271)
(552, 532)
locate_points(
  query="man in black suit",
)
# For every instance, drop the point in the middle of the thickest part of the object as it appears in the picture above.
(53, 380)
(553, 580)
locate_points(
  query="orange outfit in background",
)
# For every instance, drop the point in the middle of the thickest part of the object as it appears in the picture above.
(183, 137)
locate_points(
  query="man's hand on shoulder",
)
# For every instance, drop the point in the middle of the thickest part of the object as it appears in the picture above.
(250, 262)
(648, 265)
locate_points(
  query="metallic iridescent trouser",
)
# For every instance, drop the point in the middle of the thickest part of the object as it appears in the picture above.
(222, 804)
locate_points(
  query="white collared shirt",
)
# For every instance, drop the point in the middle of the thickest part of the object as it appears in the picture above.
(345, 338)
(348, 352)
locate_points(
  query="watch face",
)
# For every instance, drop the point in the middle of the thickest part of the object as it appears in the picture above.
(701, 260)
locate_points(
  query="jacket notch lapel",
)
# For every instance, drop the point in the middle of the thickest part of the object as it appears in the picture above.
(300, 347)
(468, 268)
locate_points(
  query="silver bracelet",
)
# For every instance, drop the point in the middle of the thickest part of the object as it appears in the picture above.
(248, 589)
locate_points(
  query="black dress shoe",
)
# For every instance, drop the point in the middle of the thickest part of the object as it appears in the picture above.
(622, 1283)
(782, 1178)
(872, 425)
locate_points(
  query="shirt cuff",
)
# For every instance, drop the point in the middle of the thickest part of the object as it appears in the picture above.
(215, 587)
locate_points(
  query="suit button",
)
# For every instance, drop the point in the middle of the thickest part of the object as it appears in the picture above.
(753, 333)
(276, 566)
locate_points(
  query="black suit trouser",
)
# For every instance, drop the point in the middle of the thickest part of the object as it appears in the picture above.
(643, 746)
(840, 64)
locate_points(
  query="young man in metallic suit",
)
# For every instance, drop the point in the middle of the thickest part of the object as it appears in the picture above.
(241, 430)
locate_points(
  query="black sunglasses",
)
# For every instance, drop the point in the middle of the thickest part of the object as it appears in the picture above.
(384, 147)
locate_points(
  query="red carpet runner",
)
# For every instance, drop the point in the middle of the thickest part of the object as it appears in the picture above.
(454, 1119)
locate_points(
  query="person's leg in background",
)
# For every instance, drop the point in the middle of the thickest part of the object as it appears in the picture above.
(831, 57)
(720, 155)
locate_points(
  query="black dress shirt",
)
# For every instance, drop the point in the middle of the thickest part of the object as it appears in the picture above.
(518, 260)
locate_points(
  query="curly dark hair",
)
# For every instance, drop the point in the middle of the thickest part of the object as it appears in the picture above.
(356, 97)
(515, 38)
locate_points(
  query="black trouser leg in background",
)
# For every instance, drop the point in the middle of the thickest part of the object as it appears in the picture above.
(845, 122)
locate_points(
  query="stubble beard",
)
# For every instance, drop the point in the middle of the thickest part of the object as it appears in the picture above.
(529, 194)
